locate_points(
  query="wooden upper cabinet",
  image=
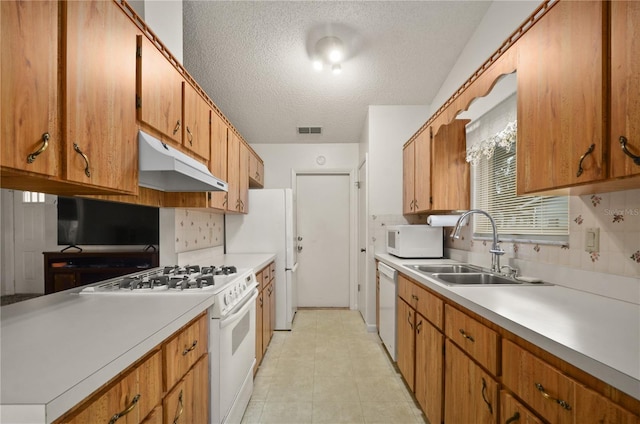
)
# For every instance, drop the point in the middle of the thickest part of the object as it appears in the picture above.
(233, 172)
(417, 174)
(243, 183)
(29, 86)
(256, 170)
(218, 159)
(561, 98)
(408, 177)
(450, 172)
(197, 118)
(159, 93)
(101, 128)
(625, 87)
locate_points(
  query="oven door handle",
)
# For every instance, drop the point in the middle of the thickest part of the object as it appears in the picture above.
(239, 310)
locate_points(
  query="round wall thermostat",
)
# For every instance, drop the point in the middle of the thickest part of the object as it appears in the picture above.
(321, 160)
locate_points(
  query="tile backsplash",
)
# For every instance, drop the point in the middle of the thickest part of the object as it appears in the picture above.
(196, 230)
(616, 215)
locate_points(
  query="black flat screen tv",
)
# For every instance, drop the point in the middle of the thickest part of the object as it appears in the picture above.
(96, 222)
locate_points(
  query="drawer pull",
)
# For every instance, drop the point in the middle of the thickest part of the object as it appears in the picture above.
(129, 408)
(419, 327)
(87, 172)
(466, 336)
(623, 144)
(190, 136)
(414, 297)
(546, 395)
(189, 349)
(587, 153)
(484, 396)
(515, 418)
(45, 143)
(180, 408)
(175, 130)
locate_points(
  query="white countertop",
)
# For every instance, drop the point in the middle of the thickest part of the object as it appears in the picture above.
(57, 349)
(597, 334)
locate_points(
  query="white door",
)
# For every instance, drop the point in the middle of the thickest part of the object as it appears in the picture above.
(362, 239)
(29, 242)
(323, 204)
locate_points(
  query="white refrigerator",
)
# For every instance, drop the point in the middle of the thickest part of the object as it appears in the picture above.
(270, 227)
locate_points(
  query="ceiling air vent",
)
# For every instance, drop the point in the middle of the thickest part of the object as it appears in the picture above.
(309, 130)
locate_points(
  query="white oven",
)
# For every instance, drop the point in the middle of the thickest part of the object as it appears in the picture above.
(232, 350)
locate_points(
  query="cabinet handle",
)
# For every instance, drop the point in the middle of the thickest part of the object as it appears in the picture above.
(86, 159)
(587, 153)
(414, 297)
(190, 136)
(466, 336)
(175, 130)
(484, 397)
(189, 349)
(546, 395)
(45, 143)
(415, 205)
(513, 419)
(411, 205)
(129, 408)
(180, 408)
(419, 327)
(226, 197)
(409, 320)
(261, 301)
(623, 144)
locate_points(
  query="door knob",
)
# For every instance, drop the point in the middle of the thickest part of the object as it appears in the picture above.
(299, 248)
(363, 250)
(299, 238)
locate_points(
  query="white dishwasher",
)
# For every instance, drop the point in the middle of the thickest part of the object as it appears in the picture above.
(388, 294)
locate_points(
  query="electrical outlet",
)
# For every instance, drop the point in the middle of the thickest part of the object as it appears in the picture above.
(592, 240)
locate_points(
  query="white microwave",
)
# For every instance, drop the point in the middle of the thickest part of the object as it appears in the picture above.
(415, 241)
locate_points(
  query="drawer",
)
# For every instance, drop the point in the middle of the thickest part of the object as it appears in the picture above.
(266, 276)
(183, 350)
(425, 303)
(593, 407)
(144, 379)
(477, 340)
(545, 389)
(512, 411)
(272, 267)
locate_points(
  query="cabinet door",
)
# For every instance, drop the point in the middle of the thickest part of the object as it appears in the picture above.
(512, 411)
(29, 86)
(259, 318)
(101, 129)
(233, 172)
(408, 178)
(159, 92)
(272, 307)
(422, 173)
(183, 350)
(406, 341)
(197, 388)
(561, 112)
(256, 171)
(429, 370)
(243, 182)
(266, 318)
(450, 173)
(625, 87)
(173, 405)
(218, 159)
(471, 394)
(196, 130)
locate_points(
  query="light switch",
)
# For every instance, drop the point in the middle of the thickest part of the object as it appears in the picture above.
(592, 240)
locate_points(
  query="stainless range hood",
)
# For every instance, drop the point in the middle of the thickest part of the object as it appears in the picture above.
(164, 168)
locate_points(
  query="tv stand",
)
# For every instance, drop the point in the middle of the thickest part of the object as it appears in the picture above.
(66, 270)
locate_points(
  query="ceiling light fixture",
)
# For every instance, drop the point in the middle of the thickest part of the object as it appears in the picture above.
(329, 53)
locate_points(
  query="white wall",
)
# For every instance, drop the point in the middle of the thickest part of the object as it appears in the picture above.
(280, 159)
(164, 17)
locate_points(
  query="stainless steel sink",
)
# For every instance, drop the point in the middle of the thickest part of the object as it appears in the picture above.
(453, 268)
(481, 279)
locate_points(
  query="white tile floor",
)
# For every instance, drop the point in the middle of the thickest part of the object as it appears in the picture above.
(328, 369)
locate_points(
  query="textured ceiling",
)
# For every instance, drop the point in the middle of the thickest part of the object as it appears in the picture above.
(253, 59)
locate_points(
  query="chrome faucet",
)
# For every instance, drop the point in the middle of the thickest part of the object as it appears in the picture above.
(495, 250)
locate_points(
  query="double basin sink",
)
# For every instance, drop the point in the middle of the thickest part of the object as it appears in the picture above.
(469, 275)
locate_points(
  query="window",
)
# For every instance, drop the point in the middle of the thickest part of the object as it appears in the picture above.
(32, 197)
(493, 185)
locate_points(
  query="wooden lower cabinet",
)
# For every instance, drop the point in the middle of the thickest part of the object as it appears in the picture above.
(471, 394)
(259, 310)
(428, 369)
(512, 411)
(265, 311)
(406, 341)
(594, 408)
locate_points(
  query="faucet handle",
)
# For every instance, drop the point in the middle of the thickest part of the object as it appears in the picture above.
(511, 272)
